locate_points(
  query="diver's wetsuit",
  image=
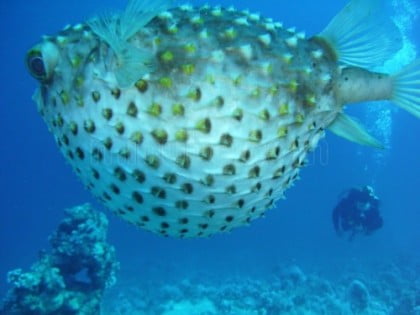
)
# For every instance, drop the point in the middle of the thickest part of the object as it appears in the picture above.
(357, 212)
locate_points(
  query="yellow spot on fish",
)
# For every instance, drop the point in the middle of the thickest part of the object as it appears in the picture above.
(230, 33)
(299, 118)
(155, 110)
(137, 137)
(76, 61)
(264, 115)
(167, 56)
(284, 109)
(166, 82)
(256, 92)
(79, 81)
(293, 86)
(173, 29)
(282, 132)
(204, 125)
(190, 48)
(188, 69)
(310, 100)
(64, 97)
(181, 135)
(178, 110)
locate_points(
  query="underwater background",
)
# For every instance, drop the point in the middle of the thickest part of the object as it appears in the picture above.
(36, 185)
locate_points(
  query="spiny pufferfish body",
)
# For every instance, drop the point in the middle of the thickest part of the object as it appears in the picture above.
(192, 121)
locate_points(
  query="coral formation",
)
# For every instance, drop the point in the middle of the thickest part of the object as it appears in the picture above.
(287, 290)
(358, 296)
(71, 278)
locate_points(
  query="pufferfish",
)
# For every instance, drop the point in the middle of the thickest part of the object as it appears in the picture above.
(190, 121)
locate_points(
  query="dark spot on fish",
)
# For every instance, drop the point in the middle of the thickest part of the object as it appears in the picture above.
(137, 137)
(210, 199)
(183, 221)
(158, 192)
(164, 225)
(96, 96)
(187, 188)
(142, 85)
(254, 172)
(153, 161)
(160, 136)
(206, 153)
(129, 208)
(125, 153)
(226, 140)
(145, 218)
(80, 154)
(279, 172)
(208, 180)
(241, 203)
(170, 178)
(139, 176)
(203, 226)
(106, 196)
(65, 140)
(73, 128)
(238, 114)
(120, 174)
(70, 155)
(137, 197)
(107, 113)
(183, 231)
(97, 154)
(257, 187)
(229, 169)
(209, 213)
(132, 110)
(159, 211)
(183, 161)
(116, 93)
(108, 143)
(181, 204)
(95, 174)
(231, 189)
(89, 126)
(245, 156)
(119, 127)
(115, 189)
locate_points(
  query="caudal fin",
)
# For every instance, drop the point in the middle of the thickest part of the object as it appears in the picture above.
(406, 92)
(362, 34)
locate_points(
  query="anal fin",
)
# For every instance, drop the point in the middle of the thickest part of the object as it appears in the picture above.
(349, 129)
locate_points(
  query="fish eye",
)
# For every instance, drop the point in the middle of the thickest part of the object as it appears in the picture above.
(36, 65)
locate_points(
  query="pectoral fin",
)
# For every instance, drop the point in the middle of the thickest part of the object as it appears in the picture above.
(348, 128)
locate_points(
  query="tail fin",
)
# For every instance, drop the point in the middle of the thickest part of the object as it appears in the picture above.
(362, 34)
(406, 92)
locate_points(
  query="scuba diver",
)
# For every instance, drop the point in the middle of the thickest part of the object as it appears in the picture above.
(357, 212)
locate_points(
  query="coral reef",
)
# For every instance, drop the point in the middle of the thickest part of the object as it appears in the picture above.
(71, 279)
(288, 290)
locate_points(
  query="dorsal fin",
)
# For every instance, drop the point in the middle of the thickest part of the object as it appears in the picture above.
(362, 34)
(117, 29)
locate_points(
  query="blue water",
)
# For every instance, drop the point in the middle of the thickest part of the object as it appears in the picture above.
(36, 184)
